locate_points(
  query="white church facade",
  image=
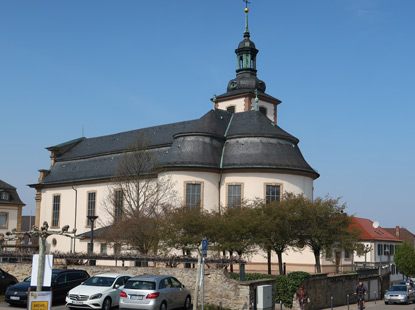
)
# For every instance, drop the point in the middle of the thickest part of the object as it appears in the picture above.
(235, 151)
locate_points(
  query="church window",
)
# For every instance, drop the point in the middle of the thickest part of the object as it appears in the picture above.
(118, 205)
(272, 193)
(91, 206)
(117, 248)
(4, 220)
(234, 195)
(240, 62)
(56, 210)
(4, 196)
(193, 195)
(231, 109)
(263, 110)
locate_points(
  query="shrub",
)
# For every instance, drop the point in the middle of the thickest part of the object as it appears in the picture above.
(285, 286)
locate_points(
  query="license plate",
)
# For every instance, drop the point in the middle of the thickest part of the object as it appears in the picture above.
(75, 302)
(14, 297)
(136, 297)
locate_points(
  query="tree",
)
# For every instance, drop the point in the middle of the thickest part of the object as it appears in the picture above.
(185, 228)
(279, 223)
(234, 229)
(324, 225)
(138, 198)
(405, 258)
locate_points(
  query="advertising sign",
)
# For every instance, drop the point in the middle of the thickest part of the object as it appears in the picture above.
(47, 273)
(39, 300)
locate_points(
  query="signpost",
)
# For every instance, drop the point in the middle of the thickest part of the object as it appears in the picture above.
(204, 255)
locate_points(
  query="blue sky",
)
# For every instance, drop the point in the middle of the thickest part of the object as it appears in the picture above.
(344, 70)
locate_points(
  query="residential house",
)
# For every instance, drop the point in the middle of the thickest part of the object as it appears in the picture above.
(10, 209)
(378, 248)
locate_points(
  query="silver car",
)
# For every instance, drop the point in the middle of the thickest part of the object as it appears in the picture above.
(154, 292)
(399, 294)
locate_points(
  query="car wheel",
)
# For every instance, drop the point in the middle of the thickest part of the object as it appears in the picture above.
(106, 305)
(163, 306)
(386, 303)
(187, 303)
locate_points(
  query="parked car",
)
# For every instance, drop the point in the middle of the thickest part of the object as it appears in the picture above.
(6, 279)
(409, 284)
(399, 293)
(99, 292)
(62, 282)
(154, 292)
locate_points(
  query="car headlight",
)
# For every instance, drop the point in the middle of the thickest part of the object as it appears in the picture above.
(96, 296)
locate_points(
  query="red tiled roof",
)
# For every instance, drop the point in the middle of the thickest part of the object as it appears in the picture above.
(404, 234)
(368, 232)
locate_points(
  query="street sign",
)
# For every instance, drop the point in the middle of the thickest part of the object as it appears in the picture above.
(204, 247)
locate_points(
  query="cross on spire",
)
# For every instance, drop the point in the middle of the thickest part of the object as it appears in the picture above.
(246, 3)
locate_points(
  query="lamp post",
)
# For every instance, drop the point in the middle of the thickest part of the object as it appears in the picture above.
(92, 219)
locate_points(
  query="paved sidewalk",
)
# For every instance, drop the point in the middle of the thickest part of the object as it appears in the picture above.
(369, 305)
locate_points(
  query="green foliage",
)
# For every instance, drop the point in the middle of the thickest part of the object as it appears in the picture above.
(285, 286)
(405, 258)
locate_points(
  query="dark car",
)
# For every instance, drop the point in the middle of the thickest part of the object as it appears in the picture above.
(6, 279)
(62, 282)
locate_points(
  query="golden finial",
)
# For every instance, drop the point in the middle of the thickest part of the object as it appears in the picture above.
(246, 10)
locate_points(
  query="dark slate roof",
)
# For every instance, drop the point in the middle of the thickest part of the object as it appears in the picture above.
(14, 198)
(218, 140)
(99, 233)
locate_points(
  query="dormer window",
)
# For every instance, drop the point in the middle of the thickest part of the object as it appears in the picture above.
(263, 110)
(231, 109)
(4, 196)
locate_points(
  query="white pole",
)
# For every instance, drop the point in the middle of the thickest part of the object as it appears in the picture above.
(197, 281)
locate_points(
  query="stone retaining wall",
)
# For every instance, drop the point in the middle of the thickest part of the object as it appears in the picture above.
(219, 288)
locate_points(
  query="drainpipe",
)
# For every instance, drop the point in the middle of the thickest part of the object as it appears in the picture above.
(221, 160)
(74, 225)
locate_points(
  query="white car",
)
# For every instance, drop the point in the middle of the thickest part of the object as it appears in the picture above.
(99, 292)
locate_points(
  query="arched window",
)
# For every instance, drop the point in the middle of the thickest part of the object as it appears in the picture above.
(240, 62)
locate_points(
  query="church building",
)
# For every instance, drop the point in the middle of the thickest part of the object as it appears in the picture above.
(234, 152)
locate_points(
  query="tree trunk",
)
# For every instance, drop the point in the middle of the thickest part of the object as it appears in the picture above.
(279, 254)
(230, 256)
(269, 261)
(317, 258)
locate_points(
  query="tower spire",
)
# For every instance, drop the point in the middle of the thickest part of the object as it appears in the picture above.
(246, 32)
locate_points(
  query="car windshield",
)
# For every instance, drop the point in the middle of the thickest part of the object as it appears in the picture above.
(99, 281)
(140, 285)
(398, 288)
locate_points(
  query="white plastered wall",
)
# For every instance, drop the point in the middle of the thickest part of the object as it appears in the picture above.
(239, 104)
(12, 214)
(67, 213)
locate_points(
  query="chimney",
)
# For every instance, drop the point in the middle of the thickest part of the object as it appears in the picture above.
(397, 231)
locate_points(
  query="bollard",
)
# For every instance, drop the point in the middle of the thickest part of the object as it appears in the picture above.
(331, 302)
(375, 297)
(348, 301)
(280, 304)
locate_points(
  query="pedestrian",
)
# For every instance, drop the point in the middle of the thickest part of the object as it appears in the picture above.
(302, 297)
